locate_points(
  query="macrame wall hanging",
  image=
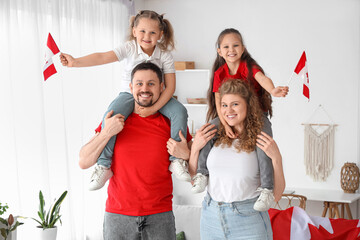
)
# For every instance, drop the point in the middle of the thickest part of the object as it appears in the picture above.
(319, 148)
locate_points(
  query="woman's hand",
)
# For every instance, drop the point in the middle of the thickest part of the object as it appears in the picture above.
(268, 145)
(202, 136)
(178, 149)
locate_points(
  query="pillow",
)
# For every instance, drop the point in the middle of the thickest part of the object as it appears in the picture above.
(180, 236)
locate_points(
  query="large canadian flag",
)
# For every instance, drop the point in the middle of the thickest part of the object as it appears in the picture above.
(51, 50)
(302, 71)
(295, 224)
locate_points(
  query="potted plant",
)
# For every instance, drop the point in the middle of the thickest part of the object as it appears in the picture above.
(7, 226)
(47, 220)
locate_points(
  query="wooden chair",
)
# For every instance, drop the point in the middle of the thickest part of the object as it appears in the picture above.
(291, 200)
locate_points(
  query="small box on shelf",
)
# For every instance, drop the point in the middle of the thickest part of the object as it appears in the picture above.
(184, 65)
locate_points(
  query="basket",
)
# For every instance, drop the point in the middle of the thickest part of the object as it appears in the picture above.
(349, 177)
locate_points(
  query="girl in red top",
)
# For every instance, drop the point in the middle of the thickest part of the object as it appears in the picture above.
(234, 62)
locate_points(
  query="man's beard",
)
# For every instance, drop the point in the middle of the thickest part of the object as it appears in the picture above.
(145, 104)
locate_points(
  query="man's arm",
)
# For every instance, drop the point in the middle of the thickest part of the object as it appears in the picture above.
(90, 152)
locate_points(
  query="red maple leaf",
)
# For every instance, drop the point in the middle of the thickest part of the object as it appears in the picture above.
(343, 230)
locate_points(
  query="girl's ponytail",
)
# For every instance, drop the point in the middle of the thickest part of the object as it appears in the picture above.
(167, 41)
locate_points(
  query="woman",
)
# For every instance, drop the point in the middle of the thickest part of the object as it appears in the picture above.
(227, 211)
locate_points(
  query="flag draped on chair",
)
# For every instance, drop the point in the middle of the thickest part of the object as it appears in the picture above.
(302, 71)
(51, 50)
(295, 224)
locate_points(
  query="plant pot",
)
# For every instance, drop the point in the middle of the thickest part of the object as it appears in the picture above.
(46, 234)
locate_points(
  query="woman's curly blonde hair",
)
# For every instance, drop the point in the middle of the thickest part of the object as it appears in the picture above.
(253, 121)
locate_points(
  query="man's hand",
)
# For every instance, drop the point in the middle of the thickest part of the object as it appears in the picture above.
(178, 149)
(113, 124)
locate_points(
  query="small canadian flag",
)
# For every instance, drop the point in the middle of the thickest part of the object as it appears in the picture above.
(51, 50)
(302, 71)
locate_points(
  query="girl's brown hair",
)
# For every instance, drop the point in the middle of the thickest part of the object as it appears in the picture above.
(252, 124)
(167, 41)
(264, 97)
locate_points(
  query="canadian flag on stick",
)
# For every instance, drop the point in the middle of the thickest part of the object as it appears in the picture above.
(302, 71)
(51, 50)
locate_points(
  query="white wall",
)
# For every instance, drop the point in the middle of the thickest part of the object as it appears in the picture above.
(275, 33)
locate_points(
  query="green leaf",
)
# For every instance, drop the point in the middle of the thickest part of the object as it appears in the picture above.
(41, 206)
(3, 221)
(41, 224)
(41, 217)
(56, 208)
(16, 225)
(3, 232)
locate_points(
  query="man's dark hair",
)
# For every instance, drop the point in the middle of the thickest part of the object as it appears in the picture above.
(147, 66)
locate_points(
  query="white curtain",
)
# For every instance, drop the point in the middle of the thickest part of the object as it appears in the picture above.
(44, 124)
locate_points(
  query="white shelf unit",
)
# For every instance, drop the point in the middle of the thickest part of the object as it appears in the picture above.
(193, 83)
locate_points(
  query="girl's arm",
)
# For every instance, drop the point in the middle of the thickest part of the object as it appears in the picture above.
(268, 85)
(166, 95)
(202, 136)
(269, 146)
(89, 60)
(228, 129)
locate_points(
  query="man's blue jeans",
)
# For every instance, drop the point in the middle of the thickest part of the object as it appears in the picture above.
(160, 226)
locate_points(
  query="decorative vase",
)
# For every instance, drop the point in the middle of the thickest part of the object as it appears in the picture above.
(349, 177)
(46, 234)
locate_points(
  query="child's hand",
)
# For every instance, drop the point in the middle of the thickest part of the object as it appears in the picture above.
(67, 60)
(146, 111)
(280, 91)
(229, 131)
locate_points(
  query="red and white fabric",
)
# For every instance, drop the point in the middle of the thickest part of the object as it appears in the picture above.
(302, 71)
(295, 224)
(51, 50)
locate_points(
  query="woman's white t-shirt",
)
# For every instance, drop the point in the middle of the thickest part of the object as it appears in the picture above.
(132, 54)
(233, 176)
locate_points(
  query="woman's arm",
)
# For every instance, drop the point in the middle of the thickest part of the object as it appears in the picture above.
(202, 136)
(90, 152)
(269, 146)
(170, 83)
(89, 60)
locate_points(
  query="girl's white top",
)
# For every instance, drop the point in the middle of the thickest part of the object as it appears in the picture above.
(233, 176)
(132, 54)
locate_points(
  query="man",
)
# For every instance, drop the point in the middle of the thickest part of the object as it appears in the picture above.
(139, 204)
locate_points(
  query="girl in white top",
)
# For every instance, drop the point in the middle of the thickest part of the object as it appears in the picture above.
(151, 38)
(227, 211)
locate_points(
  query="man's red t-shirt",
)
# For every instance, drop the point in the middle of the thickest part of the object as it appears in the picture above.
(223, 74)
(141, 184)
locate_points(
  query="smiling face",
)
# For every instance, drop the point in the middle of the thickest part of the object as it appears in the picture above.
(147, 33)
(231, 48)
(234, 110)
(146, 88)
